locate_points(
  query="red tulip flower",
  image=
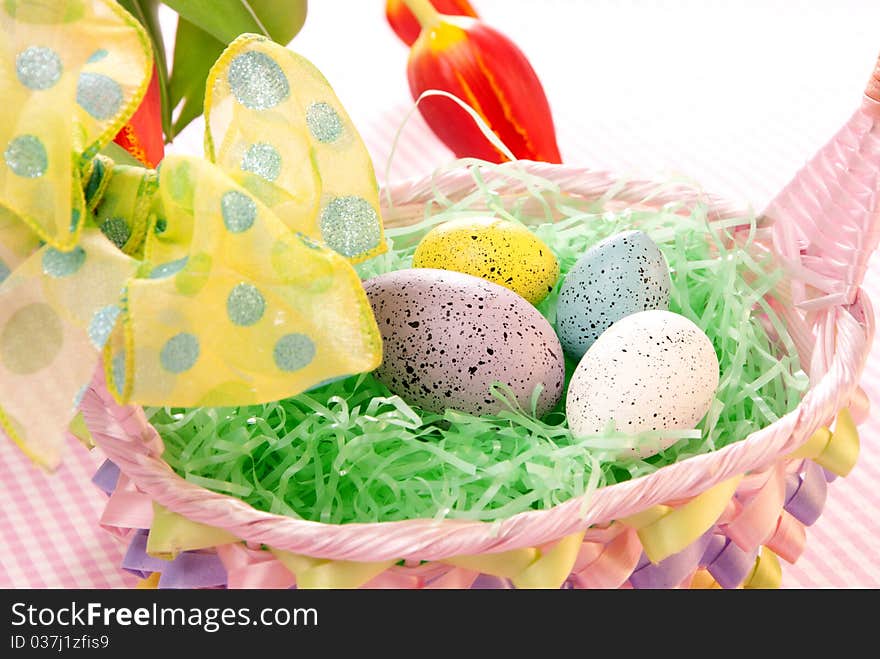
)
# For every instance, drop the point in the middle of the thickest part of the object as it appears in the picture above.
(486, 70)
(142, 136)
(407, 26)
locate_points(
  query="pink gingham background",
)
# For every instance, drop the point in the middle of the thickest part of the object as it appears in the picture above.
(734, 95)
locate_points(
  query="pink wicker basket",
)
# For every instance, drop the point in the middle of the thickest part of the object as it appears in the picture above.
(720, 519)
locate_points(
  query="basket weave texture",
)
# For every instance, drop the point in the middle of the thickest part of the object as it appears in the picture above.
(719, 519)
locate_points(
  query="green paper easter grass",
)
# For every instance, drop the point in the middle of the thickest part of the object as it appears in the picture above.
(352, 451)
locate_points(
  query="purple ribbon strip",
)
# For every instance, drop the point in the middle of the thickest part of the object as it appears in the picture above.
(137, 560)
(106, 478)
(731, 565)
(488, 582)
(671, 571)
(191, 569)
(805, 495)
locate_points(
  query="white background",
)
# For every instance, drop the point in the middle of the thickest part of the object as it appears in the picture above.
(736, 94)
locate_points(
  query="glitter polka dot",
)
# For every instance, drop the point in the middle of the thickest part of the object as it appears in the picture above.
(97, 56)
(239, 211)
(102, 324)
(117, 231)
(323, 122)
(307, 241)
(26, 156)
(78, 398)
(180, 353)
(63, 264)
(99, 95)
(4, 271)
(257, 81)
(74, 220)
(350, 226)
(38, 68)
(293, 352)
(168, 269)
(31, 339)
(245, 305)
(118, 366)
(263, 160)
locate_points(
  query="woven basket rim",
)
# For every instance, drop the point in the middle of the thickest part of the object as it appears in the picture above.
(124, 434)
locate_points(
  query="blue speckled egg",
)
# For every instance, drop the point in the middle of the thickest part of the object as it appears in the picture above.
(447, 337)
(622, 275)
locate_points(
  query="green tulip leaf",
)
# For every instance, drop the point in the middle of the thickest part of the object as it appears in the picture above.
(147, 13)
(205, 28)
(190, 71)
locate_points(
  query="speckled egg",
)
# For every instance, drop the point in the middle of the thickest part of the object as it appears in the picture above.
(653, 370)
(495, 250)
(621, 275)
(448, 336)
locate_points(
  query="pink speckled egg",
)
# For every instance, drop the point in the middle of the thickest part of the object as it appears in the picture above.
(448, 336)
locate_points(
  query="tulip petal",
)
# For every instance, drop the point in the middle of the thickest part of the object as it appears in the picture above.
(142, 135)
(490, 73)
(405, 25)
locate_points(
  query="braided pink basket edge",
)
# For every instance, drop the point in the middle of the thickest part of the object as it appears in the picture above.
(837, 353)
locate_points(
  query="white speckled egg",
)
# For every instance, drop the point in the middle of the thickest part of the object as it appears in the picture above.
(448, 336)
(618, 276)
(652, 370)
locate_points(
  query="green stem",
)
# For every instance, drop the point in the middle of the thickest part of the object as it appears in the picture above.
(425, 13)
(147, 13)
(250, 10)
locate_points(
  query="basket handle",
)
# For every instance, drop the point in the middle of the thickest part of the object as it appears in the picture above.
(873, 90)
(826, 221)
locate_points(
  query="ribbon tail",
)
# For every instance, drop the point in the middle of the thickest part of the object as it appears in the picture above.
(56, 312)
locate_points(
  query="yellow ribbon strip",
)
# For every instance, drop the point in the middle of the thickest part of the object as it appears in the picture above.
(171, 534)
(527, 567)
(552, 568)
(671, 533)
(647, 516)
(506, 564)
(149, 583)
(703, 580)
(767, 572)
(837, 452)
(79, 430)
(813, 447)
(327, 574)
(842, 452)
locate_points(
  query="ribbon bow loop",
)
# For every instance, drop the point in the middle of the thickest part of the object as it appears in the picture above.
(225, 281)
(81, 69)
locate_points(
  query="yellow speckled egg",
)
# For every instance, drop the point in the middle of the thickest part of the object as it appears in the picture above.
(496, 250)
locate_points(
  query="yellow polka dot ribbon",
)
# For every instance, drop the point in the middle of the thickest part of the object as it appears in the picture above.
(218, 281)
